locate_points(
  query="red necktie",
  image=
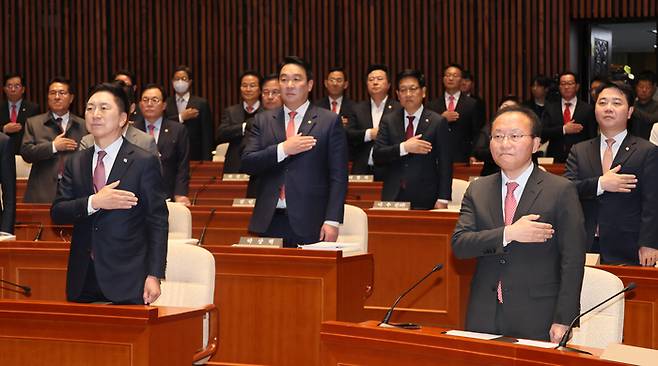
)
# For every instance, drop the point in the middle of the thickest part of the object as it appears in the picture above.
(13, 116)
(99, 172)
(334, 106)
(250, 109)
(510, 209)
(290, 131)
(566, 117)
(451, 103)
(151, 129)
(409, 132)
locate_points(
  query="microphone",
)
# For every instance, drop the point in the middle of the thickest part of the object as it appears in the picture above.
(389, 313)
(37, 237)
(202, 237)
(27, 290)
(562, 346)
(203, 188)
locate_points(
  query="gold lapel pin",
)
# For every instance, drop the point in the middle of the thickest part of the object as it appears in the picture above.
(166, 130)
(309, 122)
(627, 148)
(390, 106)
(427, 119)
(125, 160)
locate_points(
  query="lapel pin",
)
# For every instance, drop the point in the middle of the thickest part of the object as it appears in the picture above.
(125, 160)
(389, 106)
(627, 148)
(166, 130)
(309, 122)
(427, 119)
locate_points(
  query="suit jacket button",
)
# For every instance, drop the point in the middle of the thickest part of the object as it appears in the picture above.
(502, 261)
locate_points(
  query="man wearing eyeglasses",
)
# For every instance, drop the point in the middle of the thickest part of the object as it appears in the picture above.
(15, 110)
(172, 140)
(412, 146)
(568, 121)
(526, 229)
(236, 118)
(49, 140)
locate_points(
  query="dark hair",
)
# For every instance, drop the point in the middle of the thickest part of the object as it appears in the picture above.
(339, 69)
(536, 123)
(155, 86)
(509, 98)
(626, 89)
(128, 73)
(455, 65)
(62, 80)
(250, 73)
(598, 77)
(296, 60)
(467, 75)
(541, 80)
(268, 77)
(11, 75)
(646, 75)
(375, 67)
(567, 72)
(184, 68)
(130, 93)
(410, 73)
(117, 91)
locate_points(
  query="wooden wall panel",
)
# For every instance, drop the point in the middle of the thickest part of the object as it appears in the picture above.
(504, 42)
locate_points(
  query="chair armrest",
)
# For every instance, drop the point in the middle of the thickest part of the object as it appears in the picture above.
(213, 326)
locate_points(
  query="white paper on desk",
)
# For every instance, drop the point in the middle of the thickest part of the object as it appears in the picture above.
(347, 248)
(474, 335)
(533, 343)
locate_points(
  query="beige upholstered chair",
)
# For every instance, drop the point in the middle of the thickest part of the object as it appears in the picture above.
(604, 325)
(220, 152)
(190, 282)
(22, 168)
(354, 228)
(180, 221)
(458, 189)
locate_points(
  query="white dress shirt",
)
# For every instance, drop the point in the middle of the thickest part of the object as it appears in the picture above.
(111, 151)
(521, 180)
(615, 148)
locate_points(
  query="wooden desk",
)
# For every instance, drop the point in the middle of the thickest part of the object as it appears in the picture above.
(59, 333)
(366, 344)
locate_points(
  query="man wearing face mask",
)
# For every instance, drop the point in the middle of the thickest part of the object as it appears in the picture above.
(192, 111)
(235, 119)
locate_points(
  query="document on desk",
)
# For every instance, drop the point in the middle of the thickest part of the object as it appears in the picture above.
(348, 249)
(495, 337)
(474, 335)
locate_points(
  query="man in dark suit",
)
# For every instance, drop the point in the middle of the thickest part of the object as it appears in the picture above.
(538, 91)
(172, 140)
(530, 256)
(49, 139)
(235, 119)
(192, 111)
(568, 121)
(412, 144)
(645, 111)
(119, 215)
(467, 89)
(299, 153)
(336, 84)
(616, 175)
(15, 110)
(363, 128)
(461, 112)
(7, 185)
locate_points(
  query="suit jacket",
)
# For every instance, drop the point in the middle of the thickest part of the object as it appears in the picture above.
(200, 129)
(464, 131)
(552, 123)
(356, 130)
(230, 130)
(8, 185)
(174, 153)
(134, 135)
(541, 281)
(128, 245)
(37, 148)
(28, 109)
(626, 221)
(426, 177)
(315, 180)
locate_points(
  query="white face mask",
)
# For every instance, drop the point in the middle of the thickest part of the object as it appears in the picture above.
(181, 86)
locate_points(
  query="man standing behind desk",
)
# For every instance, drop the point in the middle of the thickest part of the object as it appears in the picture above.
(617, 179)
(119, 215)
(15, 110)
(530, 256)
(299, 153)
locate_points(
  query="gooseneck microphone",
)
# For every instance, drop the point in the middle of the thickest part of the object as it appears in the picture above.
(27, 290)
(389, 313)
(563, 342)
(202, 237)
(203, 188)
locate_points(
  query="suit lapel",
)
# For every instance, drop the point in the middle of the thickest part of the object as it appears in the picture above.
(309, 121)
(165, 136)
(121, 163)
(495, 203)
(424, 122)
(530, 193)
(278, 126)
(86, 171)
(625, 151)
(594, 156)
